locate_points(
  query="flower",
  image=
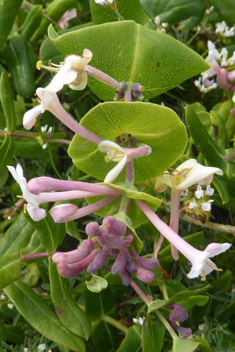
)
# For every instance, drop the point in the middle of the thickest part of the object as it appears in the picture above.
(200, 260)
(104, 2)
(186, 175)
(68, 15)
(47, 95)
(121, 155)
(139, 321)
(33, 200)
(206, 206)
(224, 30)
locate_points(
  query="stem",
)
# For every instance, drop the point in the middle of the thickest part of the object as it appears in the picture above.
(174, 220)
(167, 325)
(209, 225)
(35, 255)
(124, 204)
(158, 245)
(128, 95)
(140, 293)
(101, 76)
(64, 141)
(115, 323)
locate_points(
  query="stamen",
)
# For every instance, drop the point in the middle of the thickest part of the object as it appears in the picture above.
(25, 205)
(19, 196)
(204, 275)
(213, 266)
(114, 156)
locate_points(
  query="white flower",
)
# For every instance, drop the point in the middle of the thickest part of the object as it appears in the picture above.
(78, 64)
(47, 95)
(2, 297)
(104, 2)
(42, 347)
(206, 206)
(186, 175)
(201, 264)
(193, 205)
(121, 156)
(209, 191)
(199, 192)
(224, 30)
(33, 200)
(10, 305)
(139, 321)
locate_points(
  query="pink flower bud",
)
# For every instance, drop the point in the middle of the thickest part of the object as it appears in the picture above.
(178, 313)
(144, 275)
(62, 211)
(78, 254)
(120, 262)
(93, 229)
(131, 267)
(110, 241)
(184, 332)
(126, 277)
(147, 263)
(74, 269)
(99, 261)
(128, 239)
(114, 226)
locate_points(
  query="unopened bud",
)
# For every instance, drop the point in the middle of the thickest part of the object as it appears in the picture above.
(144, 275)
(147, 263)
(118, 96)
(99, 261)
(123, 86)
(74, 269)
(78, 254)
(126, 277)
(128, 239)
(184, 332)
(131, 267)
(178, 313)
(137, 87)
(110, 241)
(114, 226)
(62, 211)
(93, 229)
(120, 262)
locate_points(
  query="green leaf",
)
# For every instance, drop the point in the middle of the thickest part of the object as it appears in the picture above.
(225, 9)
(15, 55)
(55, 11)
(96, 284)
(205, 144)
(6, 152)
(34, 246)
(17, 236)
(178, 298)
(175, 11)
(34, 309)
(132, 341)
(155, 60)
(221, 184)
(98, 304)
(153, 334)
(10, 269)
(8, 12)
(195, 301)
(164, 133)
(7, 101)
(50, 233)
(165, 255)
(184, 345)
(69, 313)
(220, 136)
(228, 119)
(129, 10)
(104, 336)
(32, 22)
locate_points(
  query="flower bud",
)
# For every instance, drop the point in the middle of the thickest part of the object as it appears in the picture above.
(178, 313)
(137, 87)
(147, 263)
(93, 229)
(126, 277)
(62, 211)
(128, 239)
(120, 262)
(131, 267)
(110, 241)
(78, 254)
(114, 226)
(184, 332)
(74, 269)
(144, 275)
(99, 261)
(66, 271)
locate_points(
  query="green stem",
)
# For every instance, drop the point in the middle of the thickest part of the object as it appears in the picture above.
(167, 325)
(115, 323)
(124, 204)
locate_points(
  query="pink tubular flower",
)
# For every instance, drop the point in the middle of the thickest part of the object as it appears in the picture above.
(200, 260)
(68, 15)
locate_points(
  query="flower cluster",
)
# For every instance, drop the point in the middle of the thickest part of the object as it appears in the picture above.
(223, 30)
(111, 238)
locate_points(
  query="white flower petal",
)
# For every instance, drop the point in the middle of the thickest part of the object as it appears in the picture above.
(106, 145)
(115, 172)
(30, 116)
(63, 77)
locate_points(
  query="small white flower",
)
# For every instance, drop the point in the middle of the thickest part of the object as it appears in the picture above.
(33, 200)
(42, 347)
(193, 205)
(2, 297)
(10, 305)
(199, 193)
(139, 321)
(206, 206)
(209, 191)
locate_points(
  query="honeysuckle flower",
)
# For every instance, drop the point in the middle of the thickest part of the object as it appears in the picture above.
(121, 155)
(200, 260)
(68, 15)
(186, 175)
(33, 200)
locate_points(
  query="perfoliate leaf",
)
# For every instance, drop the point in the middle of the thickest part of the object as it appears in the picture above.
(96, 284)
(155, 60)
(181, 344)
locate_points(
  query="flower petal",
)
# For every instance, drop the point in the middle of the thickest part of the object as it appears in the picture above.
(115, 172)
(30, 116)
(63, 77)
